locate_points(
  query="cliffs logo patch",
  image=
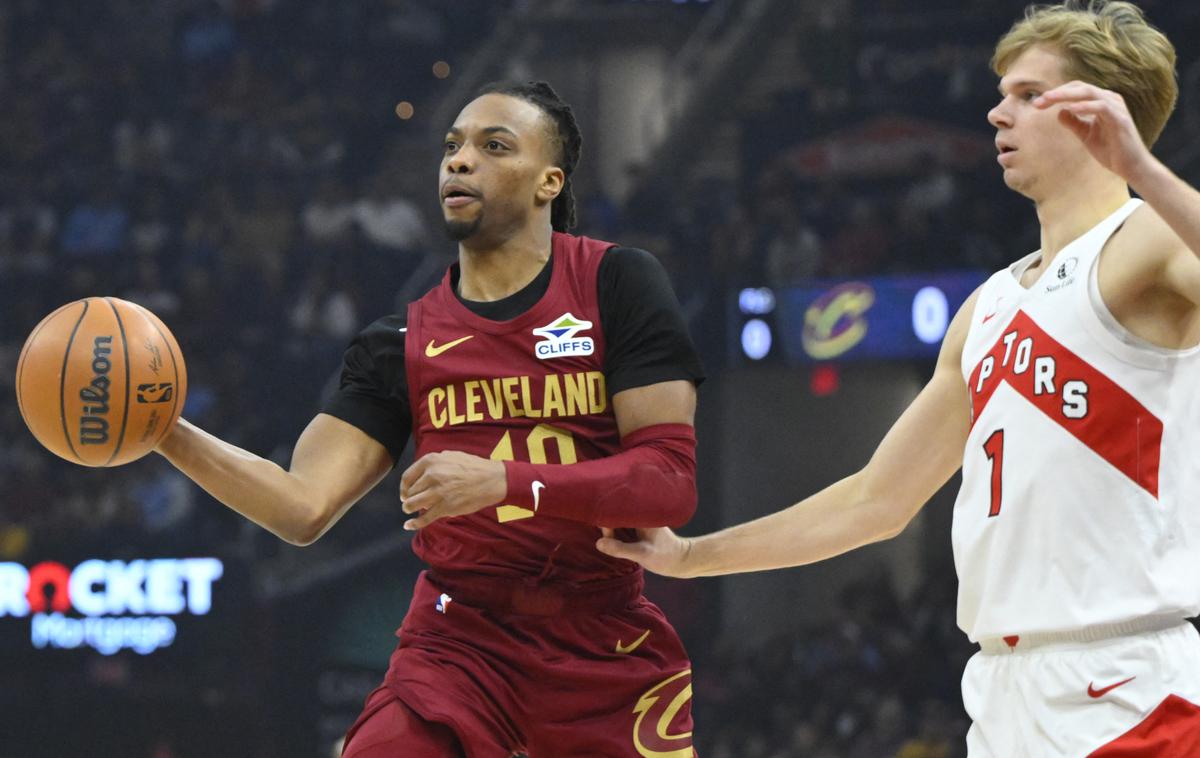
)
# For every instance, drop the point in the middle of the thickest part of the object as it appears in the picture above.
(562, 338)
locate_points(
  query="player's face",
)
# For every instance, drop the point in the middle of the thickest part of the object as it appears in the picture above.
(495, 164)
(1037, 152)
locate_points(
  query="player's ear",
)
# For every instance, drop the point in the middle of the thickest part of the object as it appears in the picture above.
(551, 184)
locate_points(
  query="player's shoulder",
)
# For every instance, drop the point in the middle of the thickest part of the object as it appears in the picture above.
(622, 261)
(1145, 238)
(1140, 255)
(960, 326)
(384, 335)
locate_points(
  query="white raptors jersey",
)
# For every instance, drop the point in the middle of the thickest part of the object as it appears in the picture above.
(1080, 501)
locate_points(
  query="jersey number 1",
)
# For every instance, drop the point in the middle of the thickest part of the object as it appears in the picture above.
(994, 448)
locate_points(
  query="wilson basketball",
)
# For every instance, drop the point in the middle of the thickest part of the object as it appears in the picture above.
(100, 381)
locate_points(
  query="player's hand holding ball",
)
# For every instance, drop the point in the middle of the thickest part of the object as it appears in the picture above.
(100, 381)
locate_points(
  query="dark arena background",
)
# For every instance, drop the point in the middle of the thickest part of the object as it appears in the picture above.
(818, 177)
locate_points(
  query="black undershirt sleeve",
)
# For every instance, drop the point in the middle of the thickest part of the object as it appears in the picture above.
(645, 334)
(373, 391)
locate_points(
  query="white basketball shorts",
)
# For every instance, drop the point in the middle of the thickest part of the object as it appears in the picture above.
(1125, 691)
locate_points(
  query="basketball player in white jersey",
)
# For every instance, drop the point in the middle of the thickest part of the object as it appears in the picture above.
(1068, 390)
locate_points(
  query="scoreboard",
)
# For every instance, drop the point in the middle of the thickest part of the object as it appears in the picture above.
(878, 318)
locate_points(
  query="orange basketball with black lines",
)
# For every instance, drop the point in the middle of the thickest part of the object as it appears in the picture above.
(100, 381)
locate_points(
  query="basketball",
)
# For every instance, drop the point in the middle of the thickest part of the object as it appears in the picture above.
(100, 381)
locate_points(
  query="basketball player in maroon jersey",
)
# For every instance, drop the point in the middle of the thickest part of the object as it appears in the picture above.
(549, 386)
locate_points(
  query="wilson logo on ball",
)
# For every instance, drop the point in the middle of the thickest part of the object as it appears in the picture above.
(100, 381)
(93, 424)
(155, 392)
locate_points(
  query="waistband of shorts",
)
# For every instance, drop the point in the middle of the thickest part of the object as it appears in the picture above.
(530, 597)
(1017, 643)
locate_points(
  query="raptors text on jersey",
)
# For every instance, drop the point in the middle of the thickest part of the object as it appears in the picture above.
(1077, 505)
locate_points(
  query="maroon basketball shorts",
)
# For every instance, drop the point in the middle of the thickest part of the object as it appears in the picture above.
(547, 672)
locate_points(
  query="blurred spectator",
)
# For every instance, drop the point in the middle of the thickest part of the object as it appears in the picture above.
(151, 230)
(150, 291)
(97, 226)
(28, 223)
(933, 191)
(142, 146)
(208, 35)
(325, 310)
(937, 737)
(794, 252)
(388, 220)
(861, 245)
(165, 499)
(329, 217)
(262, 236)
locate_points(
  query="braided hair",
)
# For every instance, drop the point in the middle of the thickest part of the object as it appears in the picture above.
(566, 137)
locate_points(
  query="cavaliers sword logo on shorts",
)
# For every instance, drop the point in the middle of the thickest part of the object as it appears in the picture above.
(656, 710)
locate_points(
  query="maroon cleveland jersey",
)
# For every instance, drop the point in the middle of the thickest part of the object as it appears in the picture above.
(531, 388)
(529, 377)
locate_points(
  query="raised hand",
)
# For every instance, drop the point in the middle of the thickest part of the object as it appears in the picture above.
(450, 483)
(1101, 120)
(659, 550)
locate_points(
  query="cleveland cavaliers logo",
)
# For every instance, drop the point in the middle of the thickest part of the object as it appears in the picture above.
(562, 338)
(657, 711)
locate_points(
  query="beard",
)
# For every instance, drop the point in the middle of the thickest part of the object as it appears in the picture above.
(461, 230)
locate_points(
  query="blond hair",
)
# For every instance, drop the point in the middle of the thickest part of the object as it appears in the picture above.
(1108, 44)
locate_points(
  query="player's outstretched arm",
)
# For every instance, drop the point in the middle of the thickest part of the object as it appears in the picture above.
(333, 465)
(918, 455)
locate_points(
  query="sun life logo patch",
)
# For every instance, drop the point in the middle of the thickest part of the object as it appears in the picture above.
(562, 338)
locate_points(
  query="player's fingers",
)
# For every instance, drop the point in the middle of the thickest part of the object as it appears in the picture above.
(1079, 126)
(606, 532)
(630, 551)
(422, 519)
(1069, 91)
(412, 474)
(1089, 108)
(426, 481)
(419, 498)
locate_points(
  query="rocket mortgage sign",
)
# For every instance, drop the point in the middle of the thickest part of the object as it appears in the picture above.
(108, 605)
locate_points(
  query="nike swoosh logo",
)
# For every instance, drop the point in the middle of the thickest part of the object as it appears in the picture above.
(623, 649)
(1094, 693)
(537, 494)
(988, 317)
(433, 351)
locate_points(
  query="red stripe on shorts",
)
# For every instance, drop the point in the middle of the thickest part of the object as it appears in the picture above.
(1172, 730)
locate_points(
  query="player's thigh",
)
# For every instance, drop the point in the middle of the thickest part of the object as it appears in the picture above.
(655, 720)
(389, 728)
(626, 692)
